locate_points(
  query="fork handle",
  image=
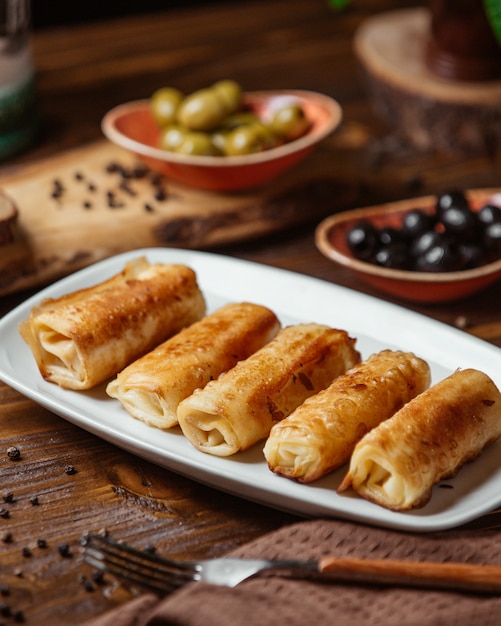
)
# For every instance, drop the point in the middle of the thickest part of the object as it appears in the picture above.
(451, 576)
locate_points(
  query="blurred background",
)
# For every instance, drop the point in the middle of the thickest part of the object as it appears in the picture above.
(46, 14)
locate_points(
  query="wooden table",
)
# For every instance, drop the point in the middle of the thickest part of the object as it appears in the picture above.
(85, 70)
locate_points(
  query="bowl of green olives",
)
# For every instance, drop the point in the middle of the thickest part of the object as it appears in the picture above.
(220, 138)
(429, 249)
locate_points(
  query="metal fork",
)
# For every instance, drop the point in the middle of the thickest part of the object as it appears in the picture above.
(162, 575)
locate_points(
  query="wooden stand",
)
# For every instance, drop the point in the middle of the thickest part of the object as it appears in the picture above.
(432, 113)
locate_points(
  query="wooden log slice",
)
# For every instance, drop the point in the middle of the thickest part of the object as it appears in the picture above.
(432, 113)
(8, 220)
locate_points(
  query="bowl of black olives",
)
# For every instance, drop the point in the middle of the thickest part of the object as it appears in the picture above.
(429, 249)
(221, 138)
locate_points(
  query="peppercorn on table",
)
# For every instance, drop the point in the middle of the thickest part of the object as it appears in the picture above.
(58, 481)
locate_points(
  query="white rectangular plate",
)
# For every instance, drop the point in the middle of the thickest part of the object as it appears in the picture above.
(294, 298)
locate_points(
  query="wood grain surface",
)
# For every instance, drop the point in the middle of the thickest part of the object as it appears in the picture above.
(77, 208)
(82, 72)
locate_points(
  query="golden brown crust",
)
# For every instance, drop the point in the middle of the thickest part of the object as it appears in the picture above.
(320, 435)
(429, 439)
(237, 410)
(152, 387)
(85, 337)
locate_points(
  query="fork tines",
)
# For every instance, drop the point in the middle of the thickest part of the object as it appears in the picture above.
(146, 570)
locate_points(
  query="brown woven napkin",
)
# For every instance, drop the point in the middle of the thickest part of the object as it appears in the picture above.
(274, 600)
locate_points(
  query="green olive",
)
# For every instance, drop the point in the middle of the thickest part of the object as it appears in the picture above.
(268, 137)
(239, 118)
(201, 110)
(219, 137)
(212, 121)
(164, 104)
(197, 143)
(290, 122)
(246, 139)
(230, 94)
(171, 137)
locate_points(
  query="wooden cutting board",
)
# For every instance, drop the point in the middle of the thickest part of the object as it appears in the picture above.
(88, 204)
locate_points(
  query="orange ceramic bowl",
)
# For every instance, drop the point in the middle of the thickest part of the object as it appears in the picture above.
(132, 126)
(330, 237)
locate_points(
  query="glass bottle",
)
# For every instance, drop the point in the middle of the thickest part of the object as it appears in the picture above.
(18, 116)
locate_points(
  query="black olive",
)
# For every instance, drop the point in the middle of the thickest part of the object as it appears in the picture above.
(416, 221)
(389, 236)
(394, 256)
(460, 222)
(489, 214)
(362, 240)
(443, 257)
(473, 254)
(425, 241)
(453, 198)
(452, 239)
(492, 239)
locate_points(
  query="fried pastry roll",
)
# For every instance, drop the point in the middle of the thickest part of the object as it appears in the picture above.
(238, 409)
(87, 336)
(430, 438)
(321, 433)
(151, 388)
